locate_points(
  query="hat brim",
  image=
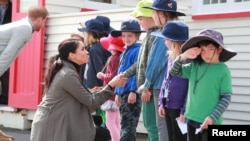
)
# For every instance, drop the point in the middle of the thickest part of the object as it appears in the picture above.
(177, 13)
(138, 13)
(225, 55)
(116, 47)
(116, 33)
(105, 43)
(159, 34)
(84, 29)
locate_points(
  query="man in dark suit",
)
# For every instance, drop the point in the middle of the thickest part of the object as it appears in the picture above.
(6, 11)
(5, 17)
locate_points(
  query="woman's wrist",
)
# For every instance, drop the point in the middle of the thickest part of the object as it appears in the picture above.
(110, 86)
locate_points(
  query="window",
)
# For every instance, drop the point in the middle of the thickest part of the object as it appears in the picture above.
(212, 7)
(101, 4)
(104, 1)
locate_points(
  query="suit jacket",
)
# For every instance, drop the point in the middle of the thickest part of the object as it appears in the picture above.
(8, 14)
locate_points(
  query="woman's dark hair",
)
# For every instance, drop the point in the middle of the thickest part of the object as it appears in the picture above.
(55, 62)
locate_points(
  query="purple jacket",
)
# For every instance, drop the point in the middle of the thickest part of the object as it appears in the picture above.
(177, 92)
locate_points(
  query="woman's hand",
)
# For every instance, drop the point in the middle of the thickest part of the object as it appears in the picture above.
(118, 81)
(117, 100)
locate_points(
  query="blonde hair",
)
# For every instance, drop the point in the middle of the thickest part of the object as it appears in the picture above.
(175, 49)
(91, 37)
(37, 11)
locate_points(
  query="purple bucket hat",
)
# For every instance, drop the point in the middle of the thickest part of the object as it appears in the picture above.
(212, 35)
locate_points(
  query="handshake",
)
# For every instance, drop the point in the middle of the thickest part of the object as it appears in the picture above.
(118, 81)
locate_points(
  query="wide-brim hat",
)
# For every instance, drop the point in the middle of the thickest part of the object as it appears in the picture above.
(173, 30)
(93, 25)
(141, 11)
(165, 5)
(112, 43)
(130, 25)
(211, 35)
(106, 22)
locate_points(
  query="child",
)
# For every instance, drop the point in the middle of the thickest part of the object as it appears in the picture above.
(163, 12)
(116, 46)
(206, 101)
(127, 98)
(173, 92)
(144, 17)
(92, 34)
(98, 56)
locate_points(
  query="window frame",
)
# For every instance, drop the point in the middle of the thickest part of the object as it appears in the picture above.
(101, 5)
(221, 10)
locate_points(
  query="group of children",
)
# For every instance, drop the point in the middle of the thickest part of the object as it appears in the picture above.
(168, 73)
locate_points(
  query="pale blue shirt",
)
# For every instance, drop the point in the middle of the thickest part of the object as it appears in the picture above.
(13, 37)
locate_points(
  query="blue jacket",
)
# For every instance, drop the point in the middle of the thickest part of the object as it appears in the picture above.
(157, 64)
(127, 59)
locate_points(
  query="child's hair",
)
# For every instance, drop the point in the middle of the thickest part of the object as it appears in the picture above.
(91, 37)
(138, 35)
(170, 15)
(207, 42)
(175, 50)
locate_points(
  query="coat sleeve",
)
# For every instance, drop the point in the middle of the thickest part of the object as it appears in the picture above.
(72, 84)
(14, 46)
(156, 62)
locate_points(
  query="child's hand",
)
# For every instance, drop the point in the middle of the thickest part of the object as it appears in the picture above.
(181, 118)
(100, 75)
(161, 111)
(117, 100)
(191, 53)
(206, 122)
(146, 95)
(132, 98)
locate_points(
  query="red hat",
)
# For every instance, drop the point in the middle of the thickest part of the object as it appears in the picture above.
(112, 43)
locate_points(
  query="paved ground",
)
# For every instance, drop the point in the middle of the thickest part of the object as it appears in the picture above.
(19, 135)
(24, 135)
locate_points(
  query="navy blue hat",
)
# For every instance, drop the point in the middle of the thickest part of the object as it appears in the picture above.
(173, 30)
(93, 25)
(106, 22)
(130, 25)
(166, 5)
